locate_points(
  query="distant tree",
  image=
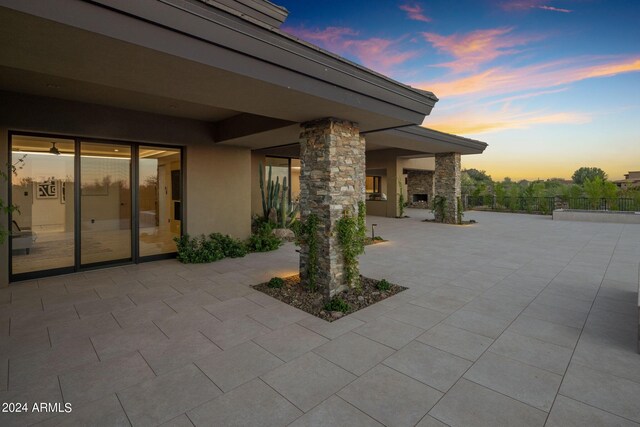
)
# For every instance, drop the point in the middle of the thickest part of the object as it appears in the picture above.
(584, 173)
(478, 175)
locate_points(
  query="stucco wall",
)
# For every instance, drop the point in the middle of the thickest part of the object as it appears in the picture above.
(218, 186)
(217, 179)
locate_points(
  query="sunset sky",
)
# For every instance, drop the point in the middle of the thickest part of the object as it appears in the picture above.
(551, 85)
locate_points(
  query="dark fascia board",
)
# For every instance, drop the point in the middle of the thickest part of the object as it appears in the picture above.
(261, 10)
(419, 132)
(264, 53)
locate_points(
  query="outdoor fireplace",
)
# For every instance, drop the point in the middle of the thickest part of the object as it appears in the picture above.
(420, 198)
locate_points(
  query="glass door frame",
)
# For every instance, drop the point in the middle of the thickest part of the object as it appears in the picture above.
(135, 223)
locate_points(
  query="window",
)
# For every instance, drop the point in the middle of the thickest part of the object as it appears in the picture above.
(374, 184)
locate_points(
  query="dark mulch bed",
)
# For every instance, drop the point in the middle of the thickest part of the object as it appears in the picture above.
(369, 241)
(295, 294)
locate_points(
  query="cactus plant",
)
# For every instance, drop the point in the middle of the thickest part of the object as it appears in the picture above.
(274, 197)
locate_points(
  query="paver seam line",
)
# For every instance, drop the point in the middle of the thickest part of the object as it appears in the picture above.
(165, 303)
(114, 318)
(588, 313)
(94, 349)
(209, 378)
(281, 395)
(123, 410)
(154, 324)
(209, 339)
(150, 367)
(271, 353)
(599, 409)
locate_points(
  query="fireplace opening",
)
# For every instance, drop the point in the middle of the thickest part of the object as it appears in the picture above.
(420, 198)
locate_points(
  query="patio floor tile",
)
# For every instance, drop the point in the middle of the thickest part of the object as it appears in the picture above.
(417, 316)
(533, 352)
(456, 341)
(82, 328)
(278, 315)
(231, 368)
(174, 353)
(290, 342)
(233, 332)
(253, 404)
(429, 365)
(604, 391)
(99, 379)
(153, 294)
(429, 421)
(122, 341)
(234, 307)
(46, 391)
(190, 301)
(333, 329)
(142, 313)
(105, 412)
(33, 367)
(335, 412)
(526, 383)
(308, 380)
(482, 324)
(176, 325)
(566, 317)
(354, 352)
(469, 404)
(389, 332)
(542, 330)
(108, 305)
(390, 397)
(570, 413)
(163, 398)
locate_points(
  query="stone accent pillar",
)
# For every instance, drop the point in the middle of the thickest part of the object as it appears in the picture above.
(447, 184)
(332, 180)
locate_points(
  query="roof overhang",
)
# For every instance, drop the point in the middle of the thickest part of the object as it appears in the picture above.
(188, 59)
(423, 140)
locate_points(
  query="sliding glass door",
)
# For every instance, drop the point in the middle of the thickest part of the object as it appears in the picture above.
(86, 203)
(42, 229)
(159, 199)
(105, 202)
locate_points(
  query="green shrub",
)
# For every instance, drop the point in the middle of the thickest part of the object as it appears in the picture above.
(383, 285)
(197, 250)
(232, 248)
(263, 239)
(275, 282)
(337, 304)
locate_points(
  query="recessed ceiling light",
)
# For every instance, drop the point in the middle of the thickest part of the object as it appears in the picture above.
(115, 149)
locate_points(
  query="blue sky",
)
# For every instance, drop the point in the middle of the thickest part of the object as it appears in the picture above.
(551, 85)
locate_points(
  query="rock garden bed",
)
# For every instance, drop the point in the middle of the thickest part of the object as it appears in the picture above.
(290, 291)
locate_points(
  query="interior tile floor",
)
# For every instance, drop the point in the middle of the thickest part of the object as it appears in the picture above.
(515, 320)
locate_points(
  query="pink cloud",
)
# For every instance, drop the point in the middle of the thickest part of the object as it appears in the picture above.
(415, 12)
(479, 121)
(376, 53)
(531, 4)
(501, 80)
(477, 47)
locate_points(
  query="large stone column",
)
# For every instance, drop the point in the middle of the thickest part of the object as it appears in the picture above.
(446, 179)
(332, 179)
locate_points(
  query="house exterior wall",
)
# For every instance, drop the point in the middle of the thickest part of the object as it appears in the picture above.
(217, 180)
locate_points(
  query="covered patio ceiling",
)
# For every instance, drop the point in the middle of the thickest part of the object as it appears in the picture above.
(193, 60)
